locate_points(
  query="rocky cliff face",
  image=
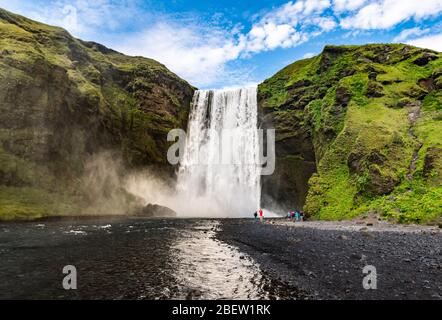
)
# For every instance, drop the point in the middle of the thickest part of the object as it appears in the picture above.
(63, 100)
(358, 130)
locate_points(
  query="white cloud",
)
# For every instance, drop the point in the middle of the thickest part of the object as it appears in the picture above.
(433, 42)
(308, 55)
(326, 24)
(196, 53)
(408, 33)
(347, 5)
(289, 25)
(84, 18)
(384, 14)
(314, 6)
(201, 53)
(270, 36)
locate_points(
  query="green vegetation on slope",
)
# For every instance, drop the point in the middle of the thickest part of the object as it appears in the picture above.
(63, 100)
(374, 118)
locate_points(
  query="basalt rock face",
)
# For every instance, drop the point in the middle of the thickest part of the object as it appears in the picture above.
(295, 161)
(63, 99)
(358, 130)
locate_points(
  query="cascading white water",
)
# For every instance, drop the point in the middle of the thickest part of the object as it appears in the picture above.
(219, 172)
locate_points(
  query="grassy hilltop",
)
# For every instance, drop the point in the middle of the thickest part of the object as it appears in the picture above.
(359, 129)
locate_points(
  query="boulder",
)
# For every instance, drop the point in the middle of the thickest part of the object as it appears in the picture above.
(374, 90)
(343, 96)
(156, 211)
(433, 165)
(428, 84)
(424, 59)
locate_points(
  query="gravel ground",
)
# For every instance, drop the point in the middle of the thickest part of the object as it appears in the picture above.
(326, 259)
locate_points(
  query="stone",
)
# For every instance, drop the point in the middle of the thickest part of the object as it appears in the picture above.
(343, 96)
(432, 161)
(374, 90)
(156, 211)
(425, 59)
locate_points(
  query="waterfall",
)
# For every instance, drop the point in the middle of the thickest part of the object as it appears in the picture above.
(219, 171)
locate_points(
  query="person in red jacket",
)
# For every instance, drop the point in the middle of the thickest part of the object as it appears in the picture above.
(261, 215)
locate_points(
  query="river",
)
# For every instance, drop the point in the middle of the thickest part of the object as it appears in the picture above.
(128, 258)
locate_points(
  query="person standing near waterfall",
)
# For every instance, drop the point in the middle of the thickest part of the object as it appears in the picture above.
(296, 215)
(261, 216)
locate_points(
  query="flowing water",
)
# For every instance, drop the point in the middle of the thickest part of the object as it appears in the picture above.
(128, 259)
(219, 171)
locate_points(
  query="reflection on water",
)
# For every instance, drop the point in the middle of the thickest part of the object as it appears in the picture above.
(210, 269)
(128, 259)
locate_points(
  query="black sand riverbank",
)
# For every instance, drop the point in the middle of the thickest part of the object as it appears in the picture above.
(326, 259)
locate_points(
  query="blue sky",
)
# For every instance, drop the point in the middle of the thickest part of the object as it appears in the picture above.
(226, 43)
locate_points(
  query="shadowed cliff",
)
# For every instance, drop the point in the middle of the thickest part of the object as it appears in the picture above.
(62, 102)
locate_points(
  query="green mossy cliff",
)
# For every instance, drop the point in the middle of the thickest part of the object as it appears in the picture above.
(358, 130)
(63, 100)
